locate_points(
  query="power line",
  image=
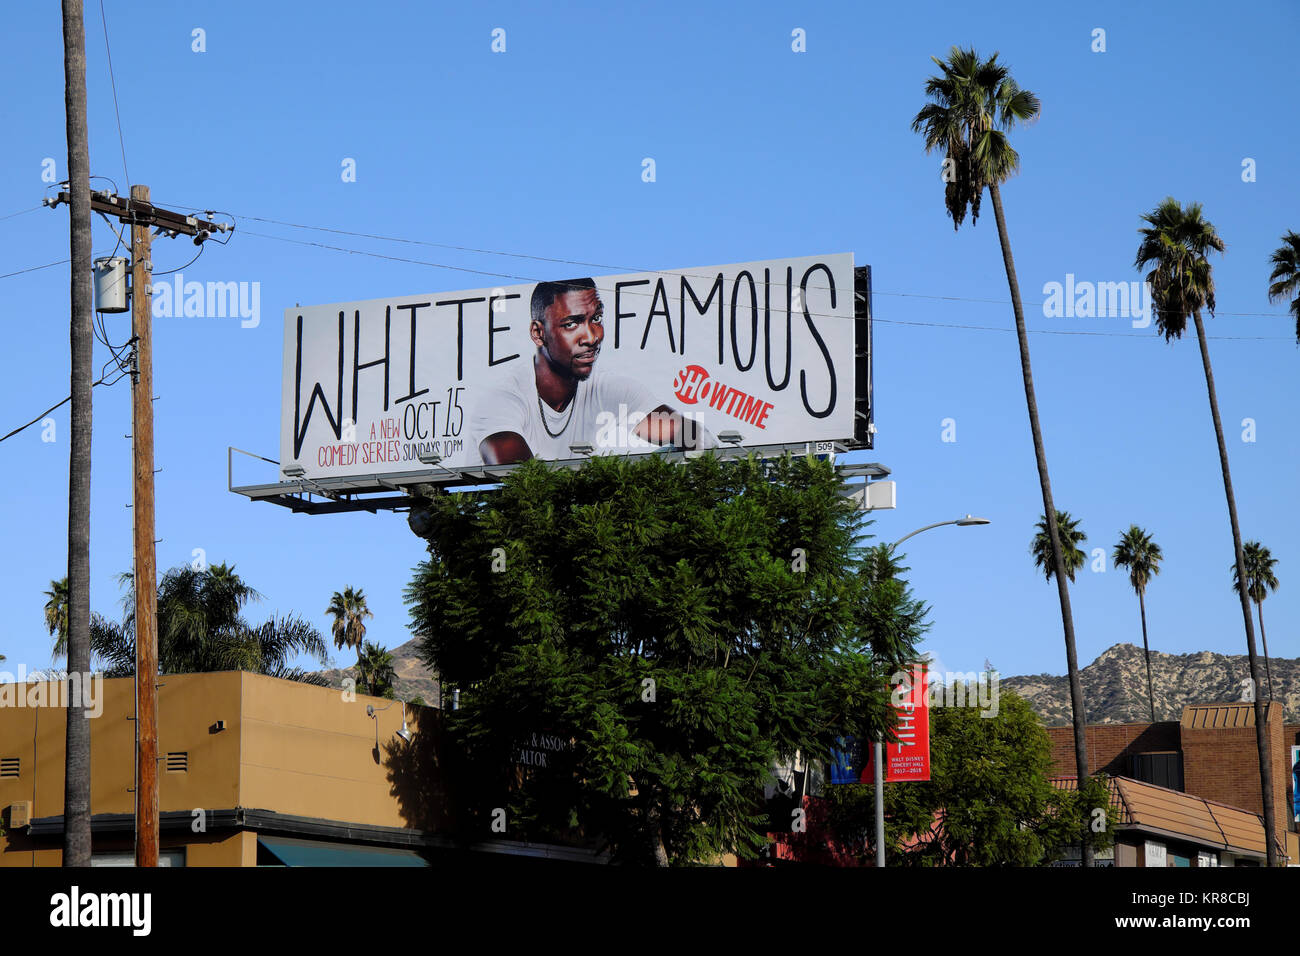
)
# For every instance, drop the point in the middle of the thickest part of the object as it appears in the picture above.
(557, 260)
(21, 212)
(188, 264)
(47, 265)
(423, 242)
(574, 262)
(113, 82)
(380, 255)
(1118, 335)
(52, 408)
(1033, 305)
(942, 325)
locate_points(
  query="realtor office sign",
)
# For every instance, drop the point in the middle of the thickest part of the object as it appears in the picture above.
(773, 352)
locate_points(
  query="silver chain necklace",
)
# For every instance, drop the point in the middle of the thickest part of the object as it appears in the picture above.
(573, 403)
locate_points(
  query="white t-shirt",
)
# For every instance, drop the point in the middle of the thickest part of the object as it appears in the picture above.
(603, 413)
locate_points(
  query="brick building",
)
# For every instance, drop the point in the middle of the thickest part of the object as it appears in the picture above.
(1210, 753)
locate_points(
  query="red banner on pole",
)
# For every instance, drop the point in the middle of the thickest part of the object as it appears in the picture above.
(908, 759)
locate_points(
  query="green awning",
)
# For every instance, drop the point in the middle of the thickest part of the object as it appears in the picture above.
(285, 851)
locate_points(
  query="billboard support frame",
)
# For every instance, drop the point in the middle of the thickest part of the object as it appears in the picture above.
(300, 494)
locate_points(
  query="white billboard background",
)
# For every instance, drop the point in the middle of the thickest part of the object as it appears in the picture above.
(417, 394)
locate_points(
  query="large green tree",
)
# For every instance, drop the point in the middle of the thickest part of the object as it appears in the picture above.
(973, 104)
(1176, 243)
(1261, 579)
(673, 630)
(1142, 556)
(989, 800)
(1284, 282)
(201, 627)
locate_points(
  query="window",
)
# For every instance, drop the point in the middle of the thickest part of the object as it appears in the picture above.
(1161, 769)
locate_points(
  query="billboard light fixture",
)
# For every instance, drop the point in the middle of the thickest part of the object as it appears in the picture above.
(429, 458)
(294, 471)
(731, 437)
(582, 449)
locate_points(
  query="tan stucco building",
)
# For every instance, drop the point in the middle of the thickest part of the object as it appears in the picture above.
(252, 770)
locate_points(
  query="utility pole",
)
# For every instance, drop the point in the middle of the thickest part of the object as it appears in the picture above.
(146, 561)
(142, 215)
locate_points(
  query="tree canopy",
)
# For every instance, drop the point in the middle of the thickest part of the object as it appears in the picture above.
(201, 627)
(989, 801)
(667, 632)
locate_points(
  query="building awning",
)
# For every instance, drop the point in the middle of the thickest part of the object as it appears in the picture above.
(285, 851)
(1185, 816)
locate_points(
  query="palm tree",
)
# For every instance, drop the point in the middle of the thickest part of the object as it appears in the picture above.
(1142, 556)
(973, 104)
(349, 612)
(375, 674)
(76, 776)
(1261, 580)
(1071, 538)
(1286, 276)
(56, 615)
(1176, 244)
(201, 628)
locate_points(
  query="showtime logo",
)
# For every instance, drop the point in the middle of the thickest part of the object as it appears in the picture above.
(693, 386)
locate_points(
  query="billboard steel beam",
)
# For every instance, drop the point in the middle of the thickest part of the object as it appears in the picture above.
(346, 494)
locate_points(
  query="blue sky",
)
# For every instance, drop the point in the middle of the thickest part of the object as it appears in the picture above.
(760, 152)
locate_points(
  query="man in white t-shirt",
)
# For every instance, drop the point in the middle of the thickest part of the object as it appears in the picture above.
(557, 399)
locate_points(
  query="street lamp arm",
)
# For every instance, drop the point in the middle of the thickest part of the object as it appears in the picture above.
(937, 524)
(878, 744)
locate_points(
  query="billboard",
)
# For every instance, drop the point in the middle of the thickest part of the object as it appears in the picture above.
(767, 351)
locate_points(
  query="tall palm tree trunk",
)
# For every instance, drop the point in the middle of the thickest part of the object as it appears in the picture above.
(76, 785)
(1151, 695)
(1261, 731)
(1049, 512)
(1268, 671)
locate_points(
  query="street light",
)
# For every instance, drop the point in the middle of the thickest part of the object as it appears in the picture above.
(878, 744)
(960, 522)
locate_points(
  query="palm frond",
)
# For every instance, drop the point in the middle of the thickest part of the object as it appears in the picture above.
(973, 104)
(1285, 277)
(1071, 537)
(1176, 244)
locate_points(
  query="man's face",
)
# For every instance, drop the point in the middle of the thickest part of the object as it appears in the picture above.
(571, 332)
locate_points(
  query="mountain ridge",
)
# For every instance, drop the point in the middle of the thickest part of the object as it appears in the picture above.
(1114, 684)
